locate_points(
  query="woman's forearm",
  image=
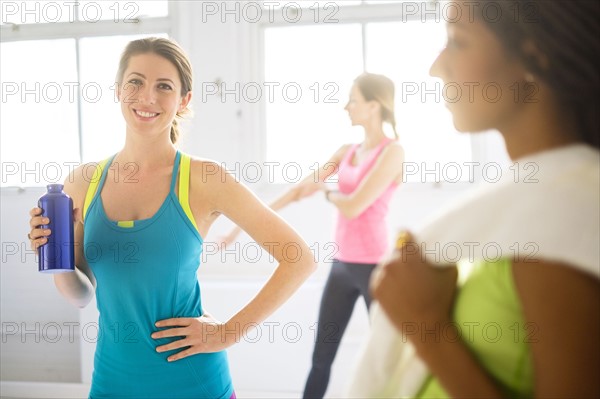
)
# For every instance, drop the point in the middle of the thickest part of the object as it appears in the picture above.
(75, 287)
(292, 195)
(282, 284)
(305, 188)
(344, 203)
(285, 199)
(460, 374)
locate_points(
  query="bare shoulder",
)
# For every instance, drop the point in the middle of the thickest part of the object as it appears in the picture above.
(209, 172)
(534, 279)
(394, 150)
(391, 158)
(210, 182)
(217, 190)
(531, 275)
(78, 181)
(343, 149)
(340, 153)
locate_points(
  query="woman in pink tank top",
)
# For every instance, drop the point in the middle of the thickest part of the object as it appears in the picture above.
(368, 174)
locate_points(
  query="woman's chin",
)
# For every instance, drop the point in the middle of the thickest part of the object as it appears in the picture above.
(467, 125)
(462, 129)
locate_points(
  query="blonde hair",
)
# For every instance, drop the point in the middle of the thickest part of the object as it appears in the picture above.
(172, 52)
(379, 88)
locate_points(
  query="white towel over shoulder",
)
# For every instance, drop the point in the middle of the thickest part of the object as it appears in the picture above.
(551, 212)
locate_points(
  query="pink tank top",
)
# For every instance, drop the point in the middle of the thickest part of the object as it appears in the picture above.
(363, 239)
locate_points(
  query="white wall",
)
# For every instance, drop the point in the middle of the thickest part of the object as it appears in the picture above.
(30, 307)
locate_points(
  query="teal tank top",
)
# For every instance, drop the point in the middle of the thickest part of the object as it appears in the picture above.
(145, 272)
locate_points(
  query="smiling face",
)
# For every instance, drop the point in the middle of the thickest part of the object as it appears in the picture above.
(483, 86)
(150, 94)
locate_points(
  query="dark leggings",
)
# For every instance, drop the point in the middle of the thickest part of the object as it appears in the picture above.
(346, 282)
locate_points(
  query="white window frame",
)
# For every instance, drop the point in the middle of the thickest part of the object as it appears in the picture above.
(482, 151)
(83, 29)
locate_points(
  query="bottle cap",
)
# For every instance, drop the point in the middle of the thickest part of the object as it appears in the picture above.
(54, 187)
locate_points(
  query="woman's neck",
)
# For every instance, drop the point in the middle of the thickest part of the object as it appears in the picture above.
(147, 152)
(373, 136)
(543, 127)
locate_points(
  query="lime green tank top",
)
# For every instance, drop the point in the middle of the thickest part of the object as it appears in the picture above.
(490, 319)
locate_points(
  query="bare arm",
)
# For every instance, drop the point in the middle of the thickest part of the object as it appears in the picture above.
(465, 378)
(301, 190)
(387, 169)
(77, 287)
(312, 183)
(411, 291)
(296, 263)
(563, 304)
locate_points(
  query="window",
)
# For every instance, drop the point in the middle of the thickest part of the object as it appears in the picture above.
(38, 110)
(324, 58)
(311, 86)
(404, 51)
(57, 79)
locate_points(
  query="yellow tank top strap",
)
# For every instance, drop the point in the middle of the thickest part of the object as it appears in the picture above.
(93, 187)
(184, 187)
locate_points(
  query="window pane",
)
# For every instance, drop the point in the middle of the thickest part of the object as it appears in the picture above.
(39, 111)
(405, 52)
(322, 61)
(121, 11)
(103, 126)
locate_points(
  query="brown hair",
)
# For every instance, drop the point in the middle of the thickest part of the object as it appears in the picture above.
(566, 34)
(171, 51)
(379, 88)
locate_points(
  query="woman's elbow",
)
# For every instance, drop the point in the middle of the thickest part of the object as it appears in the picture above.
(308, 262)
(80, 301)
(83, 303)
(79, 297)
(311, 267)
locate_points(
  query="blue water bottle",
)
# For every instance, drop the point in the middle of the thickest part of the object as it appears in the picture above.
(58, 254)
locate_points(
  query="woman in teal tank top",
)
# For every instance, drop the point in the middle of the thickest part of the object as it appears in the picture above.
(524, 319)
(141, 218)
